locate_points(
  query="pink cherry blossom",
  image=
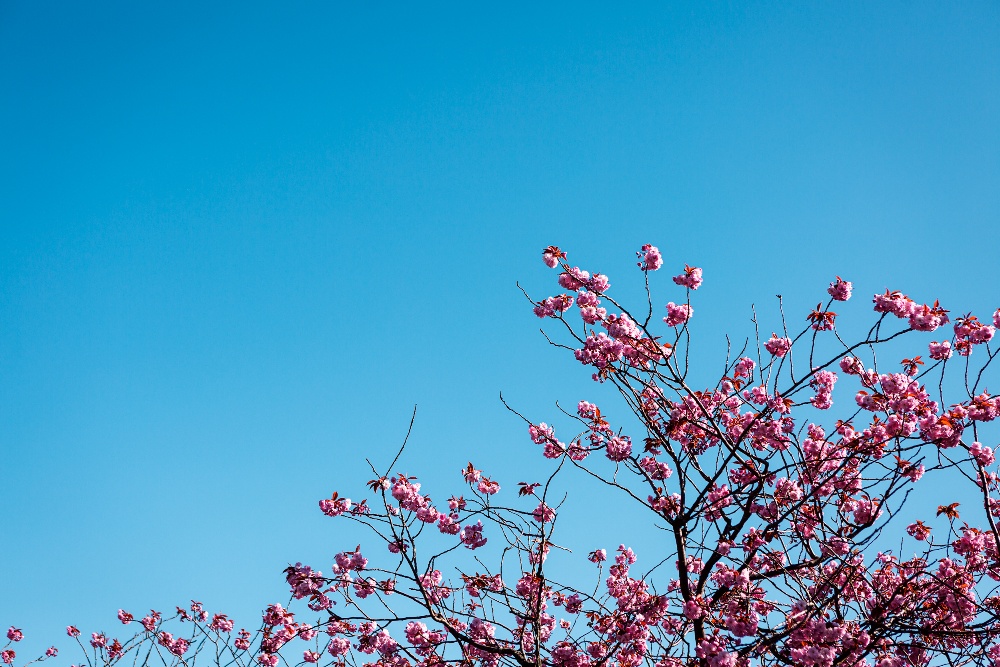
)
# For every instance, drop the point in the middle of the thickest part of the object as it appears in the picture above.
(619, 448)
(940, 351)
(589, 306)
(895, 303)
(852, 366)
(551, 256)
(553, 306)
(983, 455)
(472, 536)
(651, 258)
(488, 486)
(677, 314)
(543, 513)
(840, 289)
(779, 347)
(221, 623)
(335, 506)
(691, 277)
(242, 641)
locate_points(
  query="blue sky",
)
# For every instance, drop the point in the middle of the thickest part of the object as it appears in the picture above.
(240, 242)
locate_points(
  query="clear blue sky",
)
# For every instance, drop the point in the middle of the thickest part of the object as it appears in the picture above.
(240, 242)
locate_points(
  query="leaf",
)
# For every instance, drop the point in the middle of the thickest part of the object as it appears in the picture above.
(948, 510)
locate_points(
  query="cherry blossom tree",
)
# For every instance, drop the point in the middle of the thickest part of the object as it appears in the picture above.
(787, 539)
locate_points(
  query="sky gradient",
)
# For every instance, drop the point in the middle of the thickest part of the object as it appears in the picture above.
(240, 242)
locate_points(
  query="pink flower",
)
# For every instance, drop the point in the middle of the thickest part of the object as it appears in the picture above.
(345, 561)
(14, 634)
(757, 395)
(72, 631)
(364, 587)
(619, 448)
(914, 472)
(541, 434)
(896, 303)
(651, 258)
(574, 278)
(823, 382)
(427, 514)
(416, 633)
(691, 277)
(718, 499)
(303, 581)
(7, 656)
(448, 524)
(335, 506)
(940, 351)
(918, 530)
(840, 289)
(983, 334)
(743, 367)
(836, 545)
(338, 646)
(554, 306)
(431, 585)
(552, 255)
(472, 536)
(407, 493)
(199, 611)
(786, 492)
(693, 609)
(98, 640)
(983, 455)
(928, 318)
(51, 652)
(488, 486)
(310, 656)
(125, 617)
(590, 309)
(599, 284)
(677, 314)
(242, 641)
(543, 513)
(471, 474)
(179, 647)
(779, 347)
(598, 555)
(149, 622)
(220, 623)
(276, 615)
(852, 365)
(657, 470)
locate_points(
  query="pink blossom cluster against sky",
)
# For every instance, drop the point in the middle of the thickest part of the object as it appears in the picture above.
(238, 244)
